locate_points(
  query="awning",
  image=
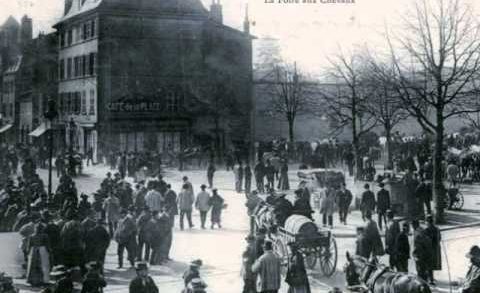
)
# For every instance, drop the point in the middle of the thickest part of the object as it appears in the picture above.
(5, 128)
(39, 131)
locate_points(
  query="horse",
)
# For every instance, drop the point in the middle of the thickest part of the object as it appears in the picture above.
(378, 278)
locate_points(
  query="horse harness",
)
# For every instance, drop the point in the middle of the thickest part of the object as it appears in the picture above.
(370, 279)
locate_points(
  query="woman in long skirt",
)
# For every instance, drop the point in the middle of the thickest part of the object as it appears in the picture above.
(297, 277)
(38, 268)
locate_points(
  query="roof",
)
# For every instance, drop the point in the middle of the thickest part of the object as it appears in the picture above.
(194, 7)
(182, 7)
(10, 22)
(79, 8)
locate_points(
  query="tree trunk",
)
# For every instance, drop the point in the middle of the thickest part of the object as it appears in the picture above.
(388, 134)
(291, 125)
(438, 188)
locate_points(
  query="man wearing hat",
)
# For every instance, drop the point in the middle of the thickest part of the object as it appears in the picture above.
(192, 272)
(97, 241)
(301, 206)
(125, 235)
(202, 204)
(142, 283)
(383, 204)
(344, 198)
(283, 208)
(422, 250)
(248, 258)
(362, 247)
(93, 281)
(367, 201)
(435, 236)
(391, 233)
(153, 198)
(402, 249)
(143, 233)
(471, 284)
(267, 268)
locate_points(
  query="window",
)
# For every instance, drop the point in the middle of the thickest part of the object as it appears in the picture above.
(78, 67)
(84, 65)
(68, 105)
(61, 69)
(69, 68)
(78, 102)
(86, 27)
(173, 102)
(92, 63)
(70, 37)
(62, 40)
(91, 110)
(84, 103)
(93, 28)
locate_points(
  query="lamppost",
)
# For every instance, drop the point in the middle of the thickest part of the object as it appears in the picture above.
(50, 115)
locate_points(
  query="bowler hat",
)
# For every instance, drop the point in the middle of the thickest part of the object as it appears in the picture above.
(59, 270)
(203, 186)
(196, 263)
(474, 252)
(141, 265)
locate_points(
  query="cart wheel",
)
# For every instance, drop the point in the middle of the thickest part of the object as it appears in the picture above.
(459, 203)
(282, 252)
(311, 256)
(328, 258)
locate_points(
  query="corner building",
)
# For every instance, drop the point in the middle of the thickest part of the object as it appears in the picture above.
(153, 75)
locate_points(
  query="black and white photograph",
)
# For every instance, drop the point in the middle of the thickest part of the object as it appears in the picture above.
(240, 146)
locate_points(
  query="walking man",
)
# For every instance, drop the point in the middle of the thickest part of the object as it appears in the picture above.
(267, 268)
(126, 238)
(202, 204)
(422, 251)
(383, 204)
(367, 202)
(392, 230)
(402, 249)
(259, 174)
(344, 199)
(434, 234)
(185, 203)
(247, 173)
(142, 283)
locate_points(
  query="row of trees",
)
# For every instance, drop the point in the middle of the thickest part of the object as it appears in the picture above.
(429, 71)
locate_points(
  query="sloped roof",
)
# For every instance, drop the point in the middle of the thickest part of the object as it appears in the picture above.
(79, 8)
(158, 6)
(10, 22)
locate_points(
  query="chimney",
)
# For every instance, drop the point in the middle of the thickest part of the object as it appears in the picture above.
(68, 5)
(26, 30)
(216, 12)
(246, 21)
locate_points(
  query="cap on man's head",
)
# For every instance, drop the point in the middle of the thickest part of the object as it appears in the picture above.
(366, 186)
(185, 178)
(381, 184)
(203, 186)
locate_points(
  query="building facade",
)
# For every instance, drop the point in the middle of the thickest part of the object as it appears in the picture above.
(152, 76)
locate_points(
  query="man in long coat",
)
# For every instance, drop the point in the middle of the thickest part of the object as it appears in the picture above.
(391, 233)
(343, 198)
(97, 240)
(373, 235)
(422, 251)
(72, 242)
(125, 235)
(367, 201)
(170, 203)
(402, 249)
(383, 204)
(434, 234)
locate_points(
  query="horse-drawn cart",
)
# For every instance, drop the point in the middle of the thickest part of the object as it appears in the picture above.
(316, 245)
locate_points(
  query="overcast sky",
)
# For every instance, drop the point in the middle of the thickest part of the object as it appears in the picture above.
(307, 33)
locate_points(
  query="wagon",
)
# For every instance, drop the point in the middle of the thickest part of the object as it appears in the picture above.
(317, 246)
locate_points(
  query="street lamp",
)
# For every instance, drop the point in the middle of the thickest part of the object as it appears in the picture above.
(50, 115)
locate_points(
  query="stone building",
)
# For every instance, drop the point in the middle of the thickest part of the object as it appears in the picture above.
(153, 76)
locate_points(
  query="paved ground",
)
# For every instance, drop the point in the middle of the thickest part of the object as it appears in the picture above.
(221, 249)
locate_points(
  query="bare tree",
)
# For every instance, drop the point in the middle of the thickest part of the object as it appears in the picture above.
(290, 95)
(384, 102)
(347, 100)
(436, 56)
